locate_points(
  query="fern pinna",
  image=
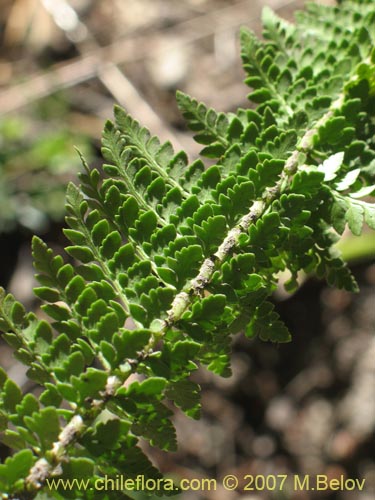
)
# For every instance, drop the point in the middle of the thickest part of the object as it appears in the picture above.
(169, 258)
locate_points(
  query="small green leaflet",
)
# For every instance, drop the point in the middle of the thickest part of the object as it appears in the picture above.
(331, 166)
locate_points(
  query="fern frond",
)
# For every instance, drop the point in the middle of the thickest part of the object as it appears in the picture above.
(168, 259)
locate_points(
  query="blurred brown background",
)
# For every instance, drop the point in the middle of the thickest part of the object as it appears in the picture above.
(303, 408)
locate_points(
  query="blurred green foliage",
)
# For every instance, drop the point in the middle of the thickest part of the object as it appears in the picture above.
(37, 159)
